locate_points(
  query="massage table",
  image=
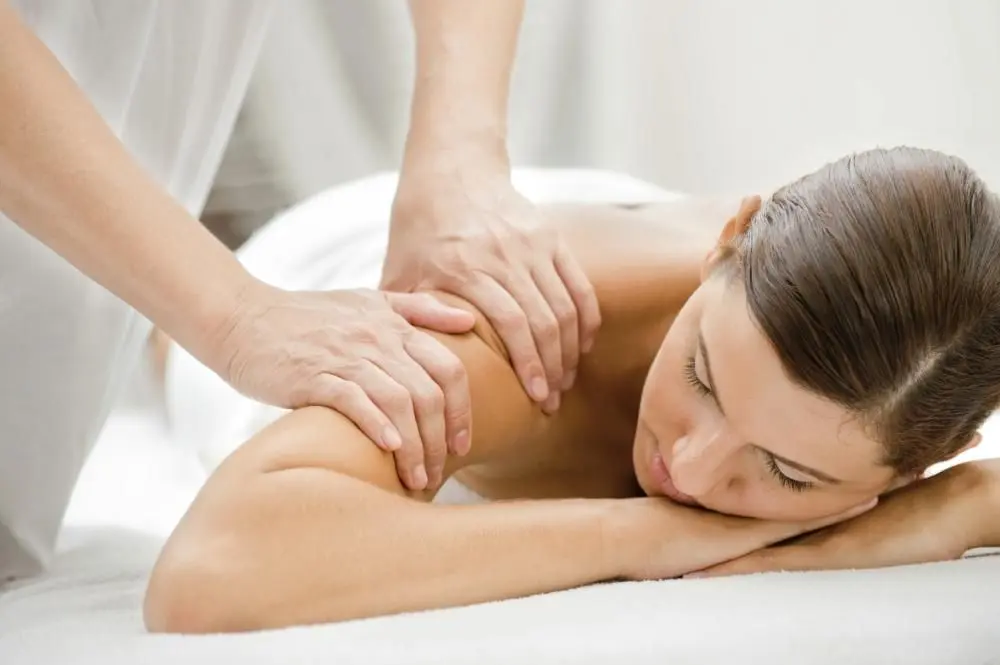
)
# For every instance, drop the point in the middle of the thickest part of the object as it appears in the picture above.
(158, 448)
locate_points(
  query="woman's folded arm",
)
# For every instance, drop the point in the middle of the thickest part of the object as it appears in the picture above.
(308, 523)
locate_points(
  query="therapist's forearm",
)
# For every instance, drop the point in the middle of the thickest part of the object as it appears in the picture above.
(465, 53)
(66, 179)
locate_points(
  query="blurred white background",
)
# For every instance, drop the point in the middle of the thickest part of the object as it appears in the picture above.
(704, 96)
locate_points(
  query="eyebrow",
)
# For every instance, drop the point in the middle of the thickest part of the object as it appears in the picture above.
(819, 475)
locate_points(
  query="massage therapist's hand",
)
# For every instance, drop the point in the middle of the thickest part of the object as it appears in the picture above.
(468, 232)
(935, 519)
(357, 352)
(654, 538)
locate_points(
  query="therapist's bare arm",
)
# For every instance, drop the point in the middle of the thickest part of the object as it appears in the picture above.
(66, 179)
(465, 52)
(458, 224)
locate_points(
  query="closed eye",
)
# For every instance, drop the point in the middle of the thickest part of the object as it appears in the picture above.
(691, 376)
(786, 482)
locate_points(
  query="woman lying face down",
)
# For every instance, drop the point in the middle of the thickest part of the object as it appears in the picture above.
(763, 371)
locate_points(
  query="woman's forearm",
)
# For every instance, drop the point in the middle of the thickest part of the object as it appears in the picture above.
(306, 546)
(67, 180)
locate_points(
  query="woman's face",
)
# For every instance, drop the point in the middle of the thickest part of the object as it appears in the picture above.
(721, 425)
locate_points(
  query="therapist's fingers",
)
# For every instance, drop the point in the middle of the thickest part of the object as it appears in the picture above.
(427, 405)
(511, 323)
(394, 400)
(581, 290)
(545, 329)
(349, 399)
(426, 311)
(563, 308)
(443, 366)
(451, 377)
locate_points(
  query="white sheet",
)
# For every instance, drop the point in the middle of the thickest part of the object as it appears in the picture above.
(87, 612)
(87, 609)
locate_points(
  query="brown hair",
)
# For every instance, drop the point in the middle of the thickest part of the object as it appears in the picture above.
(877, 281)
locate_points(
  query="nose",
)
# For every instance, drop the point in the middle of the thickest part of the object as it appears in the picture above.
(698, 462)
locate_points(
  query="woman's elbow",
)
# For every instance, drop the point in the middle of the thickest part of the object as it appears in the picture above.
(190, 592)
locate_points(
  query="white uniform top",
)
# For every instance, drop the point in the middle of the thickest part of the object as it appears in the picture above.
(169, 78)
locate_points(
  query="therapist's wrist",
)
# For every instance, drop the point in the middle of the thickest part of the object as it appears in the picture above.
(203, 322)
(473, 151)
(436, 176)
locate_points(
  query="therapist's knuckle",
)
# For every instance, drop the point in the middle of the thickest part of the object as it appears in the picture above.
(509, 317)
(303, 393)
(565, 314)
(453, 373)
(429, 400)
(545, 241)
(363, 337)
(459, 411)
(585, 291)
(391, 397)
(452, 260)
(494, 240)
(410, 455)
(546, 328)
(351, 368)
(344, 395)
(435, 451)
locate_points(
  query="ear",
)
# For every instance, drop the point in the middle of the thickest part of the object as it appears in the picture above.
(735, 227)
(974, 441)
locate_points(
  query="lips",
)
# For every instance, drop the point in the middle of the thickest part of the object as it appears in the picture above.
(661, 475)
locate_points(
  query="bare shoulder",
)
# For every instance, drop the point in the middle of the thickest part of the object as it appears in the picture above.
(643, 259)
(685, 225)
(312, 437)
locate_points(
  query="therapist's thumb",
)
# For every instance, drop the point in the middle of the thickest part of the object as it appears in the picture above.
(426, 311)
